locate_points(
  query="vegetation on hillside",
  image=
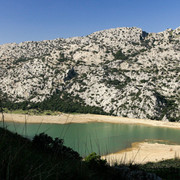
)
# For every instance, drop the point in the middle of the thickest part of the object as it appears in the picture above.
(120, 55)
(47, 158)
(165, 107)
(167, 169)
(59, 101)
(43, 158)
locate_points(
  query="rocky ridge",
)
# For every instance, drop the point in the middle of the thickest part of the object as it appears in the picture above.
(125, 71)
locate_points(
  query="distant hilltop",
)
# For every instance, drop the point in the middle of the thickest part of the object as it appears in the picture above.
(122, 71)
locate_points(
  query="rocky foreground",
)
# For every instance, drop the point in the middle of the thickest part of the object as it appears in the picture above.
(124, 71)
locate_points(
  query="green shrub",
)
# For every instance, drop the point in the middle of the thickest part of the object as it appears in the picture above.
(21, 59)
(94, 161)
(120, 55)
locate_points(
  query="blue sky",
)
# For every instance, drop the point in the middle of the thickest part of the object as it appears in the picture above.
(34, 20)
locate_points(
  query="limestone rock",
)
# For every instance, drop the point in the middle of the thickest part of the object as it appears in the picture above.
(125, 71)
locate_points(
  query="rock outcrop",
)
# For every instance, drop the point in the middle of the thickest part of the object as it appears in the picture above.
(125, 71)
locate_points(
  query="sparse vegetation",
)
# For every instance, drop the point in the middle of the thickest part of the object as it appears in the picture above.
(20, 60)
(120, 55)
(59, 101)
(166, 107)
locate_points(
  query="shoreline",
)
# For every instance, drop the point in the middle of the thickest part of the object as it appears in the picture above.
(85, 118)
(143, 152)
(139, 152)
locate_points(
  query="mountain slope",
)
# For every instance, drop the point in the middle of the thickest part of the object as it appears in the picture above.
(124, 71)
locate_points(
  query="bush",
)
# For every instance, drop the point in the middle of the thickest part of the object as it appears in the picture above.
(94, 161)
(45, 143)
(120, 55)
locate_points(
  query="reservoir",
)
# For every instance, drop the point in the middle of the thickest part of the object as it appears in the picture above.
(102, 138)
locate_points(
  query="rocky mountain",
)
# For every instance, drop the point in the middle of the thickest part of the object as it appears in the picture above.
(124, 71)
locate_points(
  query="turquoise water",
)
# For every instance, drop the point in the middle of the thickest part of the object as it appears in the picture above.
(102, 138)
